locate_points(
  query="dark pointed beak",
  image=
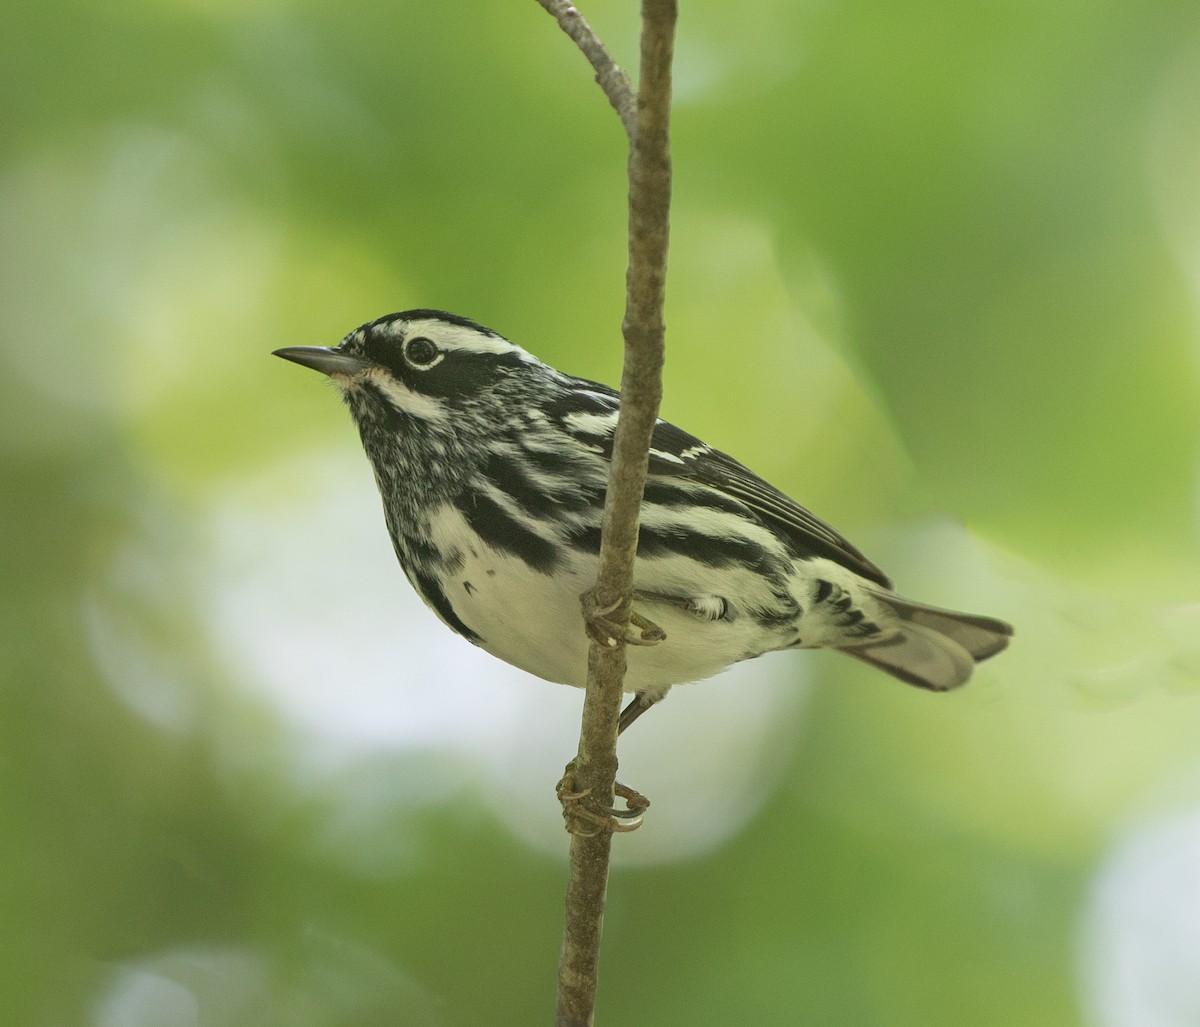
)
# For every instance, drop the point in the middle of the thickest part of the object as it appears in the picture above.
(323, 359)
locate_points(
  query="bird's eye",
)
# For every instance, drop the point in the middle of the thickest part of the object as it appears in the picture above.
(421, 352)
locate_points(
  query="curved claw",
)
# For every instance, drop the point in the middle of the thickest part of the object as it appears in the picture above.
(603, 818)
(649, 633)
(636, 805)
(603, 629)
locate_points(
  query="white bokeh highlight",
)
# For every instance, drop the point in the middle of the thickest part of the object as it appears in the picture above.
(1140, 934)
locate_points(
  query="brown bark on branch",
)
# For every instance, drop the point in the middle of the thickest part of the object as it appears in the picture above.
(593, 772)
(611, 78)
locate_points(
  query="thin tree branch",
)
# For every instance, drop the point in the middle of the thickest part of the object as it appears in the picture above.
(610, 77)
(594, 769)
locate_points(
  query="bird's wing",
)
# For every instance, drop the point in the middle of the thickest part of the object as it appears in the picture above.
(674, 453)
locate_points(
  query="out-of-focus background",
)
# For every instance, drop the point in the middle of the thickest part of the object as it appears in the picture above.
(935, 272)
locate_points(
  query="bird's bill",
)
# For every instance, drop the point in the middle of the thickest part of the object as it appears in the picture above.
(323, 359)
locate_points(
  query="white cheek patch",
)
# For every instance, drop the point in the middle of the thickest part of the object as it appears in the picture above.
(404, 399)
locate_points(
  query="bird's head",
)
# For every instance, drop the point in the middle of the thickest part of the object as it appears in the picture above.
(418, 365)
(430, 393)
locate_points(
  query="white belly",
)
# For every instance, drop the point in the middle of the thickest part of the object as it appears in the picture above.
(534, 621)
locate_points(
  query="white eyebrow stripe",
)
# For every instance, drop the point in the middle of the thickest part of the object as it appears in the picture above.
(459, 339)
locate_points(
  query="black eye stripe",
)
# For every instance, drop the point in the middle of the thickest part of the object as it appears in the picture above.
(420, 351)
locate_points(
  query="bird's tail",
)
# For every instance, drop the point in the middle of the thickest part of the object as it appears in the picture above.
(932, 648)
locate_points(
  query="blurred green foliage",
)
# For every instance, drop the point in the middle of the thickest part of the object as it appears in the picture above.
(935, 271)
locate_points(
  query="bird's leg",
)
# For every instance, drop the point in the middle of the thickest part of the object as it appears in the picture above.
(706, 607)
(636, 706)
(584, 816)
(597, 618)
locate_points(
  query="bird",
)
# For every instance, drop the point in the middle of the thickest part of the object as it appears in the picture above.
(492, 468)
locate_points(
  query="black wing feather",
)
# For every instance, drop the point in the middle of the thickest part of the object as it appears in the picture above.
(675, 453)
(783, 514)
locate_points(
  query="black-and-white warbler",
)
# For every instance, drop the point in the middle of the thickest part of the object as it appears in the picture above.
(492, 467)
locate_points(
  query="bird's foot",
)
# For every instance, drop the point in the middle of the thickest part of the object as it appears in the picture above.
(604, 629)
(586, 817)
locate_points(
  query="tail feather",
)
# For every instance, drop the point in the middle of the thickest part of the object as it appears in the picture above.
(933, 648)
